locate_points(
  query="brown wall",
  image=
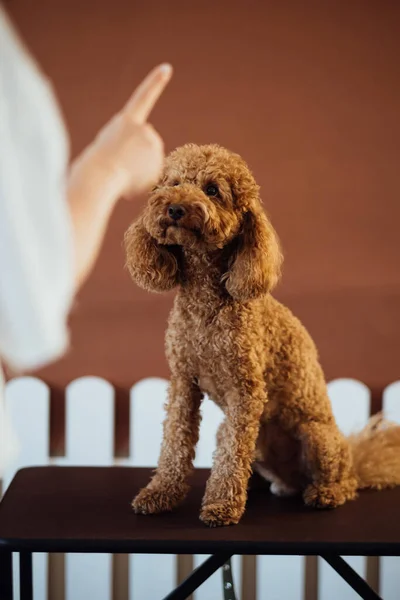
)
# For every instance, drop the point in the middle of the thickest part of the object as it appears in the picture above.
(309, 94)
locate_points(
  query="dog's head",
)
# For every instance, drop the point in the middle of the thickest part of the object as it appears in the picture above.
(208, 198)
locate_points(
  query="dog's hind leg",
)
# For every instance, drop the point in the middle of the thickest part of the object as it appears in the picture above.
(328, 462)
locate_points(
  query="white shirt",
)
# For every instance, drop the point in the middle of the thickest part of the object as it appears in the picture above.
(36, 251)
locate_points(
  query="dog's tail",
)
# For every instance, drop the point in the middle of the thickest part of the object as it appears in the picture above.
(376, 454)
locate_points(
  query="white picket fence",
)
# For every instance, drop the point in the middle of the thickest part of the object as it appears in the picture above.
(90, 441)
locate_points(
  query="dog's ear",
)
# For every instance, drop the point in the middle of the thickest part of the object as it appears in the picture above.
(152, 266)
(256, 260)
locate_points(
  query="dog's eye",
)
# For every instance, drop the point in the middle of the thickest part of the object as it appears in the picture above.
(175, 183)
(212, 190)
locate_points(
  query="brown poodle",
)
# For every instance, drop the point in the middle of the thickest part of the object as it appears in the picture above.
(205, 231)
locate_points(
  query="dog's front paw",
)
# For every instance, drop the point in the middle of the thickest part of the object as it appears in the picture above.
(153, 500)
(221, 513)
(329, 496)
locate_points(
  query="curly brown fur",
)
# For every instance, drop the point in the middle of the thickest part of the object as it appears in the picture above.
(376, 454)
(205, 231)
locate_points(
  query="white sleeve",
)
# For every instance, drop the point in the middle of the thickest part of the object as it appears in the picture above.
(36, 244)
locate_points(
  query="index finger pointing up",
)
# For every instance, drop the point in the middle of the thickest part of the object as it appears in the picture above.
(144, 98)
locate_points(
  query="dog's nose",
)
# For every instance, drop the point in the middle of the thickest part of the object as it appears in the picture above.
(176, 212)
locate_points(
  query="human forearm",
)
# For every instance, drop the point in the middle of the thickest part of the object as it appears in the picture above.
(91, 204)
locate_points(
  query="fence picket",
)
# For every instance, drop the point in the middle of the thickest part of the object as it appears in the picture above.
(89, 441)
(28, 403)
(211, 417)
(351, 402)
(147, 401)
(390, 565)
(280, 577)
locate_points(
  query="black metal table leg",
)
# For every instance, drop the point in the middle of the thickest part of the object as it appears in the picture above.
(6, 578)
(199, 576)
(351, 577)
(25, 576)
(227, 581)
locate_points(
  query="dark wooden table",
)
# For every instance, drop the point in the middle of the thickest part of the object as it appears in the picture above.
(87, 509)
